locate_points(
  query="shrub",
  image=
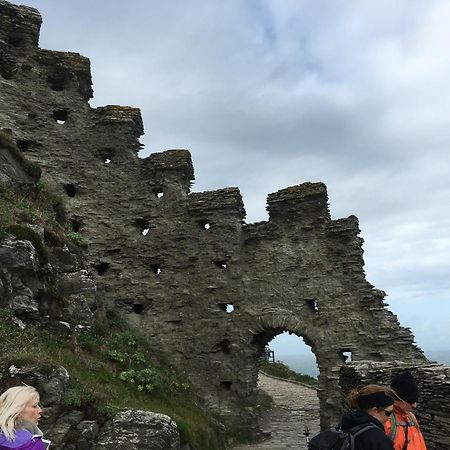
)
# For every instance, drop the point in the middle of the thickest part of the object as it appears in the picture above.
(77, 396)
(76, 238)
(145, 379)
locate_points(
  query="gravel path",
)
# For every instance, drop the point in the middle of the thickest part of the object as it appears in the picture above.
(295, 406)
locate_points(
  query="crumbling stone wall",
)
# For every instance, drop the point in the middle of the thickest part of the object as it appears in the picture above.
(174, 263)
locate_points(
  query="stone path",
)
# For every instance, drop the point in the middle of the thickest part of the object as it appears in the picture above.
(295, 407)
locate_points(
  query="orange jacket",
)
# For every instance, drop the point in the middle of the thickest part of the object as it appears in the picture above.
(395, 429)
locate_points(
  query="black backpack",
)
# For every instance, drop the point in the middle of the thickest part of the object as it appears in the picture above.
(338, 439)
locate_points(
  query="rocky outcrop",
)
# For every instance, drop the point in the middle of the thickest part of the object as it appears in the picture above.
(58, 290)
(136, 430)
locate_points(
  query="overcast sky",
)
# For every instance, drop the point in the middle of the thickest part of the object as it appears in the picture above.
(269, 94)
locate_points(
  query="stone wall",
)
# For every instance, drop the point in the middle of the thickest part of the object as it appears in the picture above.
(175, 263)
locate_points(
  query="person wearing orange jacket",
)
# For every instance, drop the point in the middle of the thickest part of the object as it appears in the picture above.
(402, 426)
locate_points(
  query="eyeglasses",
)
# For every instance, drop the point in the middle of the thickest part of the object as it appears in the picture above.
(388, 412)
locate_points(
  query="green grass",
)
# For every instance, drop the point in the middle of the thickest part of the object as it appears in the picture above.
(39, 207)
(97, 362)
(22, 208)
(281, 370)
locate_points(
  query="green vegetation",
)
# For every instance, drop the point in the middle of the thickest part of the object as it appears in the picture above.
(31, 204)
(42, 208)
(111, 368)
(281, 370)
(76, 239)
(25, 208)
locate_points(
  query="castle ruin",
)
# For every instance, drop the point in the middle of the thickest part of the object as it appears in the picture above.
(207, 289)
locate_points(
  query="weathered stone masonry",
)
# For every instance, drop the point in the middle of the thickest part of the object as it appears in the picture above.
(170, 261)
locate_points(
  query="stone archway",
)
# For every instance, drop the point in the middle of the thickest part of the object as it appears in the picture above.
(329, 363)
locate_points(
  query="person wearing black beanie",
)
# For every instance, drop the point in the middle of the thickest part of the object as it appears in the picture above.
(402, 426)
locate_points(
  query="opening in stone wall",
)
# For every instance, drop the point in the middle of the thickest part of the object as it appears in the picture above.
(291, 350)
(138, 308)
(142, 225)
(58, 81)
(289, 374)
(313, 306)
(6, 68)
(60, 116)
(225, 346)
(106, 155)
(227, 307)
(221, 264)
(204, 224)
(76, 223)
(346, 355)
(71, 189)
(24, 144)
(102, 267)
(226, 385)
(156, 269)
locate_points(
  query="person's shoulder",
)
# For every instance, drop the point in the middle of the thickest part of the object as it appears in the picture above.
(23, 440)
(375, 437)
(20, 437)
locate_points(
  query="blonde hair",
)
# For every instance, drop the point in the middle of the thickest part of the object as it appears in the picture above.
(355, 394)
(12, 403)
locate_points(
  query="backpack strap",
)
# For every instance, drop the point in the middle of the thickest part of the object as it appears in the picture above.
(360, 429)
(406, 436)
(411, 422)
(357, 431)
(394, 426)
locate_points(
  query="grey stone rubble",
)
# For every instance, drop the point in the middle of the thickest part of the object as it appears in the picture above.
(171, 262)
(136, 430)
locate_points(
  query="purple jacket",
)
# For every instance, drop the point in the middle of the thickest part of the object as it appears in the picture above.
(24, 440)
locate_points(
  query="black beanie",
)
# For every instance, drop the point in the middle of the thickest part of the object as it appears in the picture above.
(405, 387)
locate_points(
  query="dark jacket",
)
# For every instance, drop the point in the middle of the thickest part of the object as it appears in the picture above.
(372, 439)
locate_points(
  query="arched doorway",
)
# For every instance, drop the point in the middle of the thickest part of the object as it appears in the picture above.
(292, 351)
(294, 414)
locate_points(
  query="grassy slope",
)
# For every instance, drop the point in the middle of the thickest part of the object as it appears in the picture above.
(111, 368)
(280, 370)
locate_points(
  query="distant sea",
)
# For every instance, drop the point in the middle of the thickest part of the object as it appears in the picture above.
(306, 364)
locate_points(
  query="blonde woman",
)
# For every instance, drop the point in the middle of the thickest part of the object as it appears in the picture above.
(19, 417)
